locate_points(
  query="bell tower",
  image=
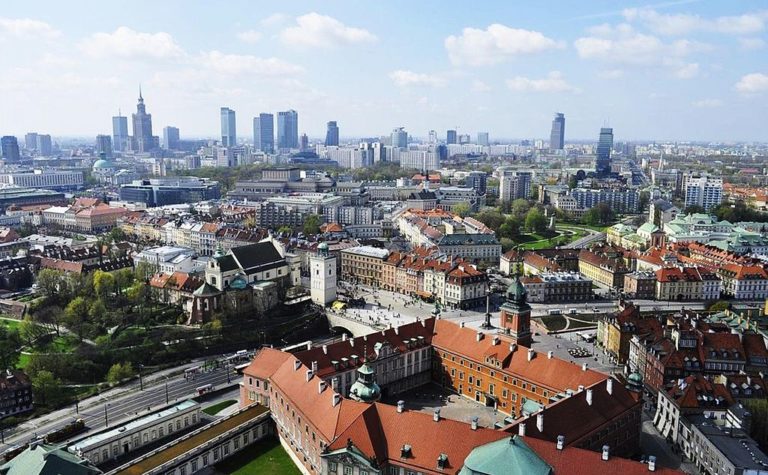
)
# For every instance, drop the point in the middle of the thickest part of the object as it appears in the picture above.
(516, 313)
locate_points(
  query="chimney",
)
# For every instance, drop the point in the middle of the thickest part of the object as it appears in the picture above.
(461, 324)
(581, 387)
(309, 374)
(321, 386)
(436, 415)
(343, 337)
(325, 349)
(474, 422)
(651, 463)
(479, 336)
(513, 347)
(365, 337)
(424, 323)
(540, 422)
(606, 452)
(400, 406)
(397, 330)
(336, 400)
(589, 397)
(296, 365)
(314, 366)
(521, 429)
(550, 354)
(531, 354)
(352, 342)
(309, 345)
(335, 384)
(560, 442)
(584, 367)
(609, 385)
(496, 340)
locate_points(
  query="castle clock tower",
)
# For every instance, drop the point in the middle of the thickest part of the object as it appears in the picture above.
(516, 314)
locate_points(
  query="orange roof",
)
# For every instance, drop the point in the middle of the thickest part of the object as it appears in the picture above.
(266, 362)
(740, 272)
(553, 373)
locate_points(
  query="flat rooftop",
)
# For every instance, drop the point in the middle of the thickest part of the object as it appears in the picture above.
(198, 439)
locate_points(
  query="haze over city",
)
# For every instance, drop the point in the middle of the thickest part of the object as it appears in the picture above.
(684, 70)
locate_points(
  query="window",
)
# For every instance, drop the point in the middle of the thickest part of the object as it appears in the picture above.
(183, 470)
(237, 442)
(394, 470)
(347, 470)
(332, 467)
(216, 453)
(471, 379)
(194, 465)
(205, 460)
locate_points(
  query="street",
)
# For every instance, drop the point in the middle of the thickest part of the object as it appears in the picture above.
(120, 403)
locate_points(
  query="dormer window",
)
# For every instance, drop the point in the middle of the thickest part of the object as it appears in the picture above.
(405, 451)
(442, 461)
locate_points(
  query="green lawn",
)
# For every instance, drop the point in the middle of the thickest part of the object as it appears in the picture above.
(266, 456)
(216, 408)
(10, 323)
(23, 360)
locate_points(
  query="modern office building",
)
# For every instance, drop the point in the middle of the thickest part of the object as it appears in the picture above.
(399, 138)
(304, 143)
(170, 138)
(557, 135)
(169, 191)
(478, 181)
(60, 180)
(44, 145)
(482, 139)
(30, 141)
(120, 138)
(604, 146)
(104, 145)
(228, 127)
(143, 140)
(332, 134)
(288, 129)
(10, 148)
(704, 191)
(451, 137)
(264, 133)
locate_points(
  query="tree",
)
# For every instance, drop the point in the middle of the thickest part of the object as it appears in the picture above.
(117, 235)
(49, 283)
(103, 284)
(645, 197)
(601, 214)
(535, 221)
(47, 388)
(506, 244)
(118, 372)
(719, 306)
(694, 209)
(76, 316)
(51, 317)
(491, 218)
(29, 331)
(520, 207)
(462, 209)
(10, 343)
(510, 228)
(573, 182)
(312, 224)
(143, 271)
(286, 230)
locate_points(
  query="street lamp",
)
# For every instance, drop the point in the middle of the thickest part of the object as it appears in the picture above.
(106, 415)
(141, 380)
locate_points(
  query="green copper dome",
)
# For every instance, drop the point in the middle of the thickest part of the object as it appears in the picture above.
(635, 382)
(102, 163)
(508, 456)
(365, 388)
(516, 291)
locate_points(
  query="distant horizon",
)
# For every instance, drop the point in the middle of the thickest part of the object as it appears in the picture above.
(687, 71)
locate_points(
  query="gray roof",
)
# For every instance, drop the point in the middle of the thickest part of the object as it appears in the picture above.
(256, 257)
(467, 239)
(48, 460)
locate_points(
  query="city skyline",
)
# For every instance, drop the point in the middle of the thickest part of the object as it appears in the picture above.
(696, 71)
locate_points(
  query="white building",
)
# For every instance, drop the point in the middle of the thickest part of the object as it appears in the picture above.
(47, 179)
(169, 259)
(704, 191)
(322, 276)
(514, 184)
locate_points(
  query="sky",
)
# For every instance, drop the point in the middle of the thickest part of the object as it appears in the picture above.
(679, 70)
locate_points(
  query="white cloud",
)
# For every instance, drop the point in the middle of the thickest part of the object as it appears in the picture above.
(480, 86)
(130, 44)
(403, 78)
(554, 82)
(274, 20)
(313, 30)
(752, 43)
(26, 28)
(687, 71)
(495, 44)
(753, 83)
(236, 64)
(707, 103)
(611, 74)
(682, 24)
(249, 36)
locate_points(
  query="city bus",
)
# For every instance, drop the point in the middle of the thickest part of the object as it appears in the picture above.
(204, 389)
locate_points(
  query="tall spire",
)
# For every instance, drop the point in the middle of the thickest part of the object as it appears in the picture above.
(141, 99)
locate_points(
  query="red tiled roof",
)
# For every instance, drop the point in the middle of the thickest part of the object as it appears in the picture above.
(266, 362)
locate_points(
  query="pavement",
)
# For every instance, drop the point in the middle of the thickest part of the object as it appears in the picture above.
(120, 403)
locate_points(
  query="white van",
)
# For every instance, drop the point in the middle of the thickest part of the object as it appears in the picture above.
(554, 311)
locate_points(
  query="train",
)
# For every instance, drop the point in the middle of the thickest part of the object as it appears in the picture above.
(59, 435)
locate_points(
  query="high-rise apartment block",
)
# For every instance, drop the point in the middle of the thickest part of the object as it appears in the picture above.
(40, 144)
(288, 129)
(451, 137)
(264, 133)
(399, 138)
(478, 181)
(104, 145)
(514, 184)
(557, 135)
(604, 146)
(228, 127)
(704, 191)
(332, 134)
(10, 148)
(170, 138)
(482, 139)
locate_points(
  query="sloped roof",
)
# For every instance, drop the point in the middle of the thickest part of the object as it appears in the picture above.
(266, 362)
(48, 460)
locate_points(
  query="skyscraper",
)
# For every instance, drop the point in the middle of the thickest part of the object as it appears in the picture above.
(432, 137)
(44, 145)
(399, 138)
(264, 133)
(120, 133)
(450, 137)
(514, 184)
(332, 134)
(30, 141)
(228, 127)
(704, 191)
(604, 145)
(557, 135)
(170, 138)
(304, 142)
(104, 145)
(482, 139)
(288, 129)
(10, 148)
(143, 141)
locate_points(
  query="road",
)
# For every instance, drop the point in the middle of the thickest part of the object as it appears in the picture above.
(586, 240)
(120, 404)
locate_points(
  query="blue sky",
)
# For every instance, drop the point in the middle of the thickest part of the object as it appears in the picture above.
(695, 70)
